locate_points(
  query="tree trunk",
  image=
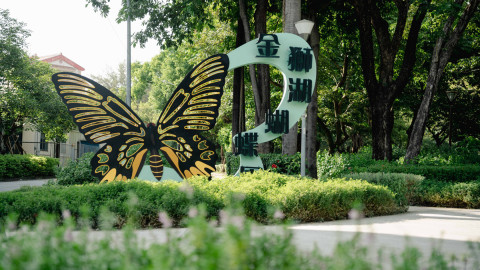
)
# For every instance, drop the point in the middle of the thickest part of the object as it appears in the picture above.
(291, 14)
(242, 7)
(263, 105)
(238, 102)
(382, 126)
(441, 54)
(312, 111)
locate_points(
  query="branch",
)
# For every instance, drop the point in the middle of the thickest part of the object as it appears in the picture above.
(274, 83)
(366, 47)
(411, 48)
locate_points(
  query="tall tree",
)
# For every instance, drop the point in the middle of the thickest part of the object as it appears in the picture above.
(291, 14)
(383, 84)
(238, 102)
(442, 51)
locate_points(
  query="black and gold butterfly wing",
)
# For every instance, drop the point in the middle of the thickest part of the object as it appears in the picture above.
(104, 119)
(193, 108)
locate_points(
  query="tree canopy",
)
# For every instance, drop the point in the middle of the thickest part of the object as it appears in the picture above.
(27, 94)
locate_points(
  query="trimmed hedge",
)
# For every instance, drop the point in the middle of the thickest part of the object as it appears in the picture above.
(305, 200)
(404, 186)
(448, 194)
(26, 166)
(338, 165)
(446, 173)
(284, 164)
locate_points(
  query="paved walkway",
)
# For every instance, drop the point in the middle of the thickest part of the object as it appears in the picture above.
(12, 185)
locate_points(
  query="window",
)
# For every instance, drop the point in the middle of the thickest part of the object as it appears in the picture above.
(43, 143)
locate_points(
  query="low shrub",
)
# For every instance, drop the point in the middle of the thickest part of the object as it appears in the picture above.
(338, 165)
(276, 162)
(26, 166)
(259, 193)
(404, 186)
(77, 172)
(448, 194)
(445, 173)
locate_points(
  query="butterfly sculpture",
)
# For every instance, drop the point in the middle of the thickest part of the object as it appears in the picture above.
(104, 119)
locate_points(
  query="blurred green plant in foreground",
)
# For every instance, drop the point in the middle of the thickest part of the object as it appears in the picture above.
(231, 242)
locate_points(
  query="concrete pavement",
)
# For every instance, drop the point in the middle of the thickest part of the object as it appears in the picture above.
(12, 185)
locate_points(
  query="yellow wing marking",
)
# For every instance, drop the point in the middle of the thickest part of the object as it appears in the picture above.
(209, 73)
(167, 135)
(134, 139)
(198, 99)
(141, 134)
(163, 130)
(80, 90)
(127, 111)
(93, 111)
(112, 174)
(205, 65)
(105, 127)
(199, 169)
(74, 79)
(103, 136)
(204, 87)
(195, 109)
(196, 127)
(164, 118)
(81, 100)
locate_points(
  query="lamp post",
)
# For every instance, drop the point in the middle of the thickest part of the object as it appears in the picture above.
(304, 28)
(129, 58)
(451, 97)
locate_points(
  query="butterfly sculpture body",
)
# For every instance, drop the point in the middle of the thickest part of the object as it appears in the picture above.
(104, 119)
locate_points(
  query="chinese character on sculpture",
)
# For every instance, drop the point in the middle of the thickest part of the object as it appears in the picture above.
(245, 144)
(299, 59)
(300, 91)
(268, 46)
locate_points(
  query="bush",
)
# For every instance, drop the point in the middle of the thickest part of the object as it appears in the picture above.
(446, 173)
(283, 163)
(259, 193)
(338, 165)
(26, 166)
(404, 186)
(77, 172)
(448, 194)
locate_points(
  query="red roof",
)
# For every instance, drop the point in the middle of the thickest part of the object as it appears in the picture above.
(60, 56)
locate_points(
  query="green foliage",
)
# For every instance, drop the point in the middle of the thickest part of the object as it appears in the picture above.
(448, 194)
(330, 165)
(457, 164)
(454, 173)
(77, 172)
(259, 194)
(27, 94)
(404, 186)
(236, 245)
(26, 166)
(284, 164)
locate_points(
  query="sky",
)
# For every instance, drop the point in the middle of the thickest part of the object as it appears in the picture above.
(69, 27)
